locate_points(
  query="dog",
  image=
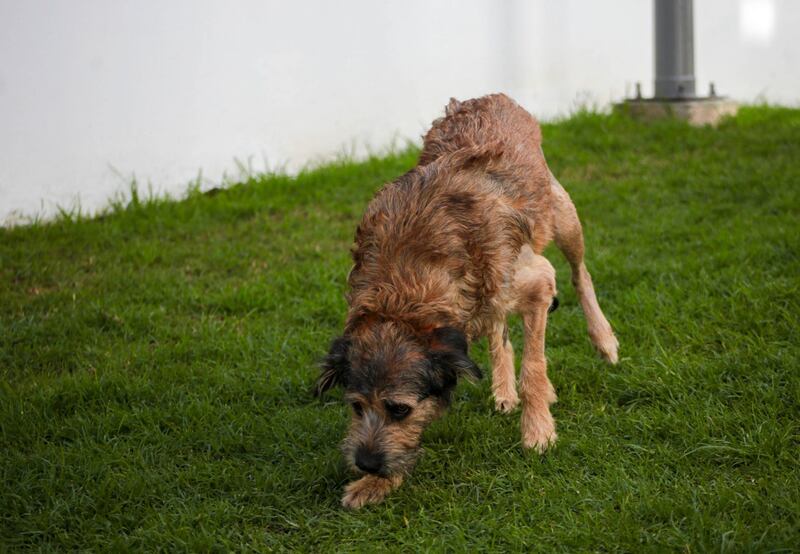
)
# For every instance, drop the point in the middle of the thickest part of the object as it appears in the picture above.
(441, 257)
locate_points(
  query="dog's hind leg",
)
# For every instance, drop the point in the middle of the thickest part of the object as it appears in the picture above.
(535, 287)
(504, 382)
(569, 239)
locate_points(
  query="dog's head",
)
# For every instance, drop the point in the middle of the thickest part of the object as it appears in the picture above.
(396, 382)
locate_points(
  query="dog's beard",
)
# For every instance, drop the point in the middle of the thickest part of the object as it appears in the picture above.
(398, 462)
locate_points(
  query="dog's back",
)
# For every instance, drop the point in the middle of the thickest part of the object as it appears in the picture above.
(494, 121)
(505, 141)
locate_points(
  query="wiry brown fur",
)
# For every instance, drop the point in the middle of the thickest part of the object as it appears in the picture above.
(436, 245)
(441, 257)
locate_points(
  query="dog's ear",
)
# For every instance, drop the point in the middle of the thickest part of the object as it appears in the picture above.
(335, 366)
(449, 359)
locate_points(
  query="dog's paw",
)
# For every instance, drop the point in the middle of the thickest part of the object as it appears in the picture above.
(370, 489)
(506, 403)
(606, 344)
(608, 350)
(538, 433)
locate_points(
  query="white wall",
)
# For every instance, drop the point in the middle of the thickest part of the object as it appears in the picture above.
(95, 91)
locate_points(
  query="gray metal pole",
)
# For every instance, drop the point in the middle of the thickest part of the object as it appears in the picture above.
(674, 44)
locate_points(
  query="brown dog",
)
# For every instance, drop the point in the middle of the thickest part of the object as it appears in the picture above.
(442, 256)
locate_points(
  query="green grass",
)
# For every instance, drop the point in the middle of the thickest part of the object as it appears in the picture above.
(155, 366)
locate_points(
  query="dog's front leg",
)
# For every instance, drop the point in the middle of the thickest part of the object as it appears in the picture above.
(536, 287)
(370, 489)
(504, 382)
(538, 426)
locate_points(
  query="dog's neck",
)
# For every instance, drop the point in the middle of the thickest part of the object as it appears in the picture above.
(424, 298)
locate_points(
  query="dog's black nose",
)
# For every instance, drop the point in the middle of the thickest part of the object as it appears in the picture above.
(369, 461)
(553, 306)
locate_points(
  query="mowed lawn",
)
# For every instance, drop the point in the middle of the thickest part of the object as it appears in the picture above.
(156, 366)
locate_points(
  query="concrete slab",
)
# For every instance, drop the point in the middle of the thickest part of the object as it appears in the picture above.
(697, 111)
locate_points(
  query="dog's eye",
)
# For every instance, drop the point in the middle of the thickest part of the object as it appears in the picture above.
(398, 411)
(357, 409)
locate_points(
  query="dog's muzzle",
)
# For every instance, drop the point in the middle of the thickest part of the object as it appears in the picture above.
(369, 461)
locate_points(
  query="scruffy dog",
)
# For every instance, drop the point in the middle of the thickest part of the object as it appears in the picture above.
(441, 258)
